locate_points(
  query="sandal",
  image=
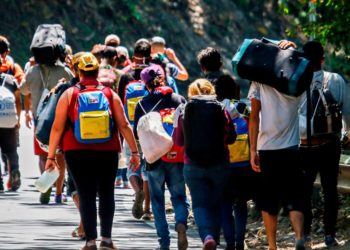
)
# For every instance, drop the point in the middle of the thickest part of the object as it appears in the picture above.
(77, 234)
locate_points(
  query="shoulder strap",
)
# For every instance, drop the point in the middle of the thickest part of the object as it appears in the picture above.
(45, 83)
(144, 111)
(3, 82)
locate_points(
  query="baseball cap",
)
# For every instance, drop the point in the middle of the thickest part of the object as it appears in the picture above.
(88, 62)
(149, 73)
(76, 56)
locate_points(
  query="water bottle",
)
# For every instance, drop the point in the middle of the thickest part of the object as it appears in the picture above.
(46, 180)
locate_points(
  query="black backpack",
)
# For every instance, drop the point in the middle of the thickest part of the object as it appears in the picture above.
(263, 61)
(204, 130)
(48, 43)
(327, 115)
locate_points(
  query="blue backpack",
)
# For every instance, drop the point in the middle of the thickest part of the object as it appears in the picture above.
(134, 92)
(93, 121)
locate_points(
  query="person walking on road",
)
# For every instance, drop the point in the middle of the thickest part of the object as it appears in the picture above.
(93, 165)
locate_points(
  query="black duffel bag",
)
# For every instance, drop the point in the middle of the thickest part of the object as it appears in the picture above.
(263, 61)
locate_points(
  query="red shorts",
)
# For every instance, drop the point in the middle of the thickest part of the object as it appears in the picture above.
(37, 148)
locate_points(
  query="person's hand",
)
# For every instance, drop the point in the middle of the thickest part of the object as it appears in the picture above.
(254, 161)
(134, 162)
(18, 125)
(170, 54)
(51, 164)
(28, 120)
(285, 44)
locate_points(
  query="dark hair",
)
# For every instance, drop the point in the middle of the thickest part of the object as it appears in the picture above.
(109, 52)
(142, 48)
(155, 82)
(4, 44)
(313, 51)
(92, 73)
(209, 59)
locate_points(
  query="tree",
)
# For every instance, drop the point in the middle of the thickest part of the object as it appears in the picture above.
(327, 21)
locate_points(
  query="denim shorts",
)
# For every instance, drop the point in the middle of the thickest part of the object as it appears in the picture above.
(141, 172)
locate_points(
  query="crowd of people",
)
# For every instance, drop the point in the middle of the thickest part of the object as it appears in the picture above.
(223, 150)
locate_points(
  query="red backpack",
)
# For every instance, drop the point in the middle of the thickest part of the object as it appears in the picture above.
(176, 153)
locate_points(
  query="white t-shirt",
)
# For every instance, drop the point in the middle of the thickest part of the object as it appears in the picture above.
(279, 121)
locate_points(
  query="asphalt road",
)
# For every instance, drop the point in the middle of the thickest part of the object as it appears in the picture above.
(26, 224)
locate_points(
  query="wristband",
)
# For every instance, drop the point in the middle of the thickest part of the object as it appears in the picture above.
(52, 159)
(135, 153)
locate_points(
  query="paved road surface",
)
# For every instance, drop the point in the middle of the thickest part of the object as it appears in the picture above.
(26, 224)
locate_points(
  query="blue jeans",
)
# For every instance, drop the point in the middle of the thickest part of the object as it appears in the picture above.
(237, 192)
(206, 185)
(170, 174)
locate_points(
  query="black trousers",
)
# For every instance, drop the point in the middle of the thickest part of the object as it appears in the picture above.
(323, 159)
(94, 172)
(8, 145)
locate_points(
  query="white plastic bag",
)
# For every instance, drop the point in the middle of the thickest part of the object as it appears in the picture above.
(154, 140)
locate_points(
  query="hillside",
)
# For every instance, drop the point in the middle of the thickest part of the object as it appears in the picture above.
(187, 25)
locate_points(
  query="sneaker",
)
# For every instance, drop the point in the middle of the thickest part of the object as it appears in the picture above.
(330, 241)
(126, 185)
(94, 247)
(107, 246)
(119, 183)
(147, 215)
(45, 197)
(137, 210)
(209, 243)
(300, 244)
(162, 248)
(308, 242)
(60, 198)
(182, 243)
(15, 180)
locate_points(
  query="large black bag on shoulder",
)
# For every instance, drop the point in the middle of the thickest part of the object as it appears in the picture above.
(263, 61)
(48, 43)
(46, 114)
(204, 130)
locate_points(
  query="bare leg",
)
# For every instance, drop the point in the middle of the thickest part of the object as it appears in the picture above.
(297, 220)
(136, 183)
(42, 162)
(76, 200)
(60, 180)
(270, 222)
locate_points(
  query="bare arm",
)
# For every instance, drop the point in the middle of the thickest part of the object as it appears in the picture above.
(183, 74)
(254, 121)
(57, 129)
(125, 129)
(27, 107)
(18, 106)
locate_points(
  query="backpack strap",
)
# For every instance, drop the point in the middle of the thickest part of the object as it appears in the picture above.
(144, 111)
(45, 83)
(3, 82)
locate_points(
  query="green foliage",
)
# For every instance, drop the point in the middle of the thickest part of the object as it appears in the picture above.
(332, 24)
(327, 21)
